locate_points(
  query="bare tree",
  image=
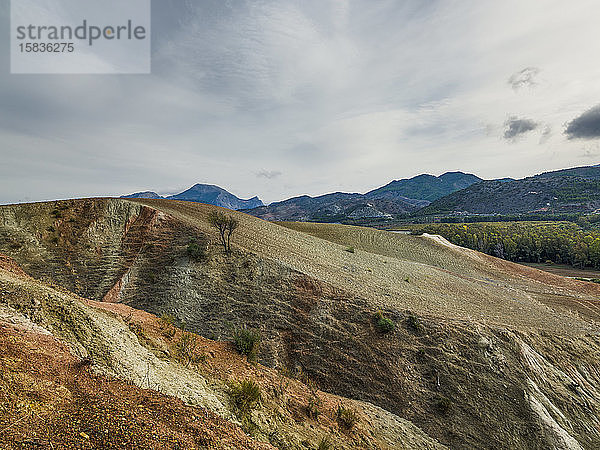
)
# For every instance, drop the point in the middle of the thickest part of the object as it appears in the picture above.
(226, 225)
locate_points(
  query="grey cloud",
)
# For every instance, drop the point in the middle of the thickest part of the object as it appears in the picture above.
(524, 78)
(586, 126)
(515, 127)
(546, 134)
(268, 174)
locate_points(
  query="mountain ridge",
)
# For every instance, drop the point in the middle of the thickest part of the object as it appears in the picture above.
(573, 190)
(205, 193)
(399, 197)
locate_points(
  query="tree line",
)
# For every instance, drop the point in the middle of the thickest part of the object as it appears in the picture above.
(576, 244)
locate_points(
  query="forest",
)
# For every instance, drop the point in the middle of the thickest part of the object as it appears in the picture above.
(577, 244)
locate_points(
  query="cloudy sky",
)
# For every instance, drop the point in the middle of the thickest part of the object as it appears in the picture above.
(278, 98)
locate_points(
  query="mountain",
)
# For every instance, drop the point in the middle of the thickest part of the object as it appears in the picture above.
(575, 190)
(91, 336)
(205, 193)
(392, 200)
(145, 194)
(338, 207)
(214, 195)
(428, 187)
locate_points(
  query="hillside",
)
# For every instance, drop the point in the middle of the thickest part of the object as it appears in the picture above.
(478, 344)
(588, 172)
(205, 193)
(563, 194)
(100, 375)
(575, 190)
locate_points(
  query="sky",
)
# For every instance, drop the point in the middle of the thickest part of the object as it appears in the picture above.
(279, 98)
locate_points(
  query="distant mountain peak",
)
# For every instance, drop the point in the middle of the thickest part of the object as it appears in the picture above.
(145, 194)
(206, 193)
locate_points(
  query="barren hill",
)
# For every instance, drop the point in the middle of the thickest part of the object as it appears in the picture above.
(478, 344)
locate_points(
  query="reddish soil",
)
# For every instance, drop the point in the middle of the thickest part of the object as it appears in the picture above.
(50, 399)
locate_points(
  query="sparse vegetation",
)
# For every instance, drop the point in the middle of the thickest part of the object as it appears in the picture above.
(167, 325)
(383, 324)
(247, 342)
(313, 408)
(226, 225)
(245, 395)
(186, 349)
(346, 417)
(195, 251)
(413, 323)
(325, 443)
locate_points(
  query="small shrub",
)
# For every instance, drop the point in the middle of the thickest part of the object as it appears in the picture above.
(245, 395)
(54, 240)
(51, 229)
(416, 233)
(414, 323)
(383, 324)
(56, 213)
(167, 325)
(186, 349)
(350, 249)
(314, 405)
(346, 417)
(325, 443)
(136, 329)
(195, 251)
(407, 279)
(247, 342)
(444, 404)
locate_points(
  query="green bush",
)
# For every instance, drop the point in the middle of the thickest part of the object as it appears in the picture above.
(247, 342)
(414, 323)
(314, 405)
(383, 324)
(346, 417)
(186, 349)
(325, 443)
(195, 251)
(350, 249)
(245, 395)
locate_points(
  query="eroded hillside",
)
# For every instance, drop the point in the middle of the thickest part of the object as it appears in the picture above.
(479, 344)
(82, 374)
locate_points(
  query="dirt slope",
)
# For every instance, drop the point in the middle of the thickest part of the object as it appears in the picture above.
(73, 372)
(478, 344)
(443, 281)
